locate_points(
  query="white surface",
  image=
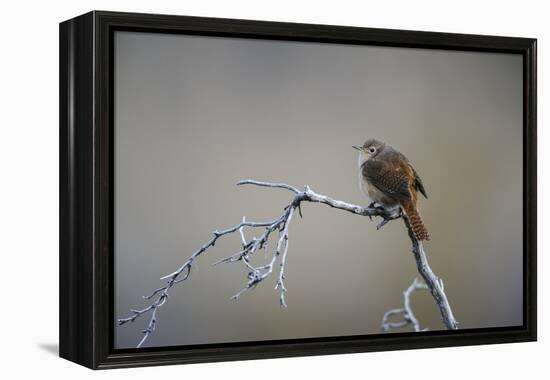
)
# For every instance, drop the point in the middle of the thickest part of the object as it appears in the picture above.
(29, 190)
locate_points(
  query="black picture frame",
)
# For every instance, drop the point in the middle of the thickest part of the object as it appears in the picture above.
(86, 188)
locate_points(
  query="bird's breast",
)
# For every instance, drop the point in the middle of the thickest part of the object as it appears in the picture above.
(374, 194)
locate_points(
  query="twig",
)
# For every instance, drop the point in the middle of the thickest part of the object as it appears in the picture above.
(181, 275)
(406, 311)
(257, 274)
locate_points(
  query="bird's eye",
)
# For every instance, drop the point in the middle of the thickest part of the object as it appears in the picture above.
(372, 149)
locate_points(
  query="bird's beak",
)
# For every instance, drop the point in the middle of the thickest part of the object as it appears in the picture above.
(357, 147)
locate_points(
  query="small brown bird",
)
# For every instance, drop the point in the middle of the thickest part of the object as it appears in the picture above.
(387, 177)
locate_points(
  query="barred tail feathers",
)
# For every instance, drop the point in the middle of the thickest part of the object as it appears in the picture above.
(415, 220)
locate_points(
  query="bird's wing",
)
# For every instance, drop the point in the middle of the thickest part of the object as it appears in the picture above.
(391, 179)
(418, 183)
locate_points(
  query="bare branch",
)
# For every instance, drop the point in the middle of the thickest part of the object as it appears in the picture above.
(182, 274)
(434, 283)
(406, 311)
(269, 184)
(256, 274)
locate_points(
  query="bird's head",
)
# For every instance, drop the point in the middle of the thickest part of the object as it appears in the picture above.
(369, 149)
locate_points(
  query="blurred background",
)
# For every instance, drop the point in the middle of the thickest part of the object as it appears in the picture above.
(193, 115)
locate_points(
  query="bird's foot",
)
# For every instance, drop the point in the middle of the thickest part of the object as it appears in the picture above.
(377, 207)
(381, 208)
(371, 205)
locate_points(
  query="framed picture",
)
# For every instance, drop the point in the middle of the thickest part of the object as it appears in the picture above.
(236, 189)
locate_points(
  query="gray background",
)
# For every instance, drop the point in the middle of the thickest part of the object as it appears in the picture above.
(193, 115)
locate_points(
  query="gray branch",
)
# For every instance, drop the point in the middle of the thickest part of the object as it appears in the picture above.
(406, 312)
(257, 274)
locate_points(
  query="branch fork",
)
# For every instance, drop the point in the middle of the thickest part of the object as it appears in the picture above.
(257, 274)
(407, 313)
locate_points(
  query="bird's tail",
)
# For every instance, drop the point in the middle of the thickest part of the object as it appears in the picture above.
(415, 221)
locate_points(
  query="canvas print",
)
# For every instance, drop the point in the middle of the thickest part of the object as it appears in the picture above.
(268, 190)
